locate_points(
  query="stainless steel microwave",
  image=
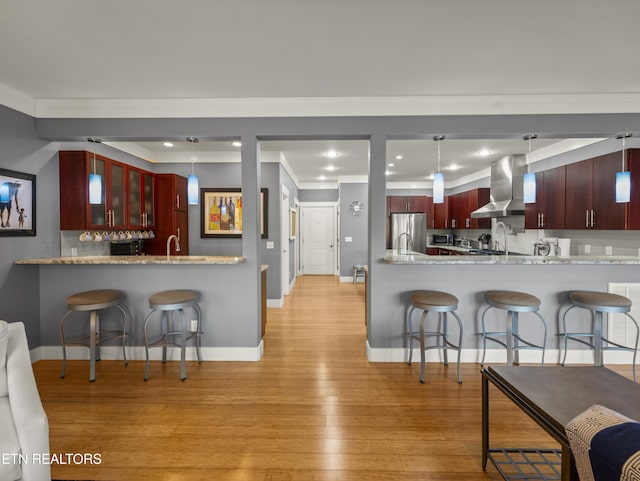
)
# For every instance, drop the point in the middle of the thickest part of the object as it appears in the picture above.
(442, 239)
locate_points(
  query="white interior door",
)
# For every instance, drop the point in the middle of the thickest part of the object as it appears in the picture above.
(319, 240)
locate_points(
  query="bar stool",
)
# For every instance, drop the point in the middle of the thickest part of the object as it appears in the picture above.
(442, 303)
(599, 304)
(359, 271)
(168, 302)
(514, 303)
(94, 302)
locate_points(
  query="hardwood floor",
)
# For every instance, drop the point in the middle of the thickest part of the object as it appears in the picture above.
(313, 408)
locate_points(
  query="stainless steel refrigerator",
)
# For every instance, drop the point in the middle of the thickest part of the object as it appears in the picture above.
(408, 232)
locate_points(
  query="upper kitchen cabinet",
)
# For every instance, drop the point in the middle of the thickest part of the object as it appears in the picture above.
(172, 215)
(462, 204)
(76, 213)
(141, 199)
(633, 163)
(590, 194)
(441, 215)
(548, 212)
(407, 203)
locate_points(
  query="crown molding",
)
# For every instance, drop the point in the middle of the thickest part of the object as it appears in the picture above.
(321, 106)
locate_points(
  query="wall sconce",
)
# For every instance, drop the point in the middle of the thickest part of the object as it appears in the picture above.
(529, 187)
(95, 180)
(192, 180)
(438, 177)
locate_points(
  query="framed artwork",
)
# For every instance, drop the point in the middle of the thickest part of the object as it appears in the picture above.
(221, 213)
(293, 224)
(17, 203)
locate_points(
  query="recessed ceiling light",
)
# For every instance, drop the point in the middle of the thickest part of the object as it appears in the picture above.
(167, 144)
(391, 164)
(388, 172)
(398, 157)
(484, 153)
(453, 167)
(331, 168)
(322, 177)
(332, 154)
(236, 143)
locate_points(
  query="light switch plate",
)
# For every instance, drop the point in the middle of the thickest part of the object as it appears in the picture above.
(348, 239)
(270, 244)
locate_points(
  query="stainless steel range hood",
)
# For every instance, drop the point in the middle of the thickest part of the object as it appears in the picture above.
(507, 175)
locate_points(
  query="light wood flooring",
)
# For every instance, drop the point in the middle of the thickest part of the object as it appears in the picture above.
(313, 408)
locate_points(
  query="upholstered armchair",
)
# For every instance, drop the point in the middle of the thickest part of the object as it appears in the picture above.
(24, 438)
(605, 445)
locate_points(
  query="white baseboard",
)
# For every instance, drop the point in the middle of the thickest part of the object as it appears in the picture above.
(552, 356)
(275, 302)
(137, 353)
(359, 280)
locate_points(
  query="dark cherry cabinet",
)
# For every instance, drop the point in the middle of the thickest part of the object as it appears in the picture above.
(406, 203)
(476, 199)
(590, 194)
(76, 213)
(172, 216)
(548, 212)
(633, 163)
(441, 215)
(141, 188)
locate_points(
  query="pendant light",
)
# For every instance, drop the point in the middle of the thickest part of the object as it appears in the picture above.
(529, 186)
(192, 180)
(95, 180)
(623, 178)
(438, 177)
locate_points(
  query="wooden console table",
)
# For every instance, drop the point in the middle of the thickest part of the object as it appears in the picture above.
(552, 396)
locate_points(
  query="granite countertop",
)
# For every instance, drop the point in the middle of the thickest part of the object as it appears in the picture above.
(409, 257)
(135, 260)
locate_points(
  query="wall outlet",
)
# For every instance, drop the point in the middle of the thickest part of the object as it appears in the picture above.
(194, 325)
(74, 251)
(608, 250)
(587, 249)
(348, 239)
(270, 244)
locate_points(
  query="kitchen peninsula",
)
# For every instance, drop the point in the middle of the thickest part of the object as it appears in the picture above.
(468, 277)
(229, 333)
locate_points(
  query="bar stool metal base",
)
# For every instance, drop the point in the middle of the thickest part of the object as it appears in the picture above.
(443, 304)
(94, 302)
(599, 304)
(168, 302)
(514, 303)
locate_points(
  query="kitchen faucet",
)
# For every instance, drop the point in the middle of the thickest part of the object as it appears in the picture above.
(172, 236)
(504, 229)
(409, 241)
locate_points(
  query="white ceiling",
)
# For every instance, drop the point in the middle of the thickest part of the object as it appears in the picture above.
(246, 51)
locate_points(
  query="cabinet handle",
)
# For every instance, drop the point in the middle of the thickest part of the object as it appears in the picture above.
(593, 218)
(587, 219)
(446, 223)
(178, 234)
(453, 223)
(468, 223)
(177, 201)
(541, 219)
(109, 218)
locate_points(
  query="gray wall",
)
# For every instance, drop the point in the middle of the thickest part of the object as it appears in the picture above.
(21, 150)
(319, 195)
(356, 227)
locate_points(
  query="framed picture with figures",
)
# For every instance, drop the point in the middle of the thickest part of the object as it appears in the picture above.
(17, 203)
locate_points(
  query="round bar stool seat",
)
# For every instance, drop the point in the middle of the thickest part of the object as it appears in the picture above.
(93, 302)
(442, 303)
(599, 304)
(168, 302)
(514, 303)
